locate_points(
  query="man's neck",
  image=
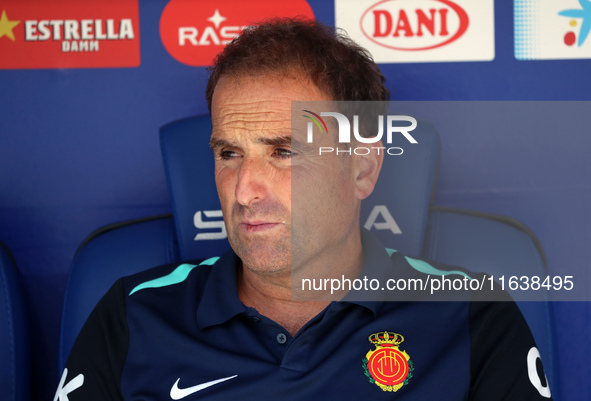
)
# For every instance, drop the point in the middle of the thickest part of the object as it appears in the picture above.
(273, 295)
(275, 302)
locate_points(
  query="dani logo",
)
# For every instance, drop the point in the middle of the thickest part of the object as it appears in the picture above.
(413, 25)
(66, 34)
(194, 32)
(411, 31)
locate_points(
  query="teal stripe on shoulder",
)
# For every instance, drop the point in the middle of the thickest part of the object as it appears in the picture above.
(424, 267)
(177, 276)
(209, 262)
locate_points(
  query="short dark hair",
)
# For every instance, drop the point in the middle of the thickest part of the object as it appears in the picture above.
(334, 63)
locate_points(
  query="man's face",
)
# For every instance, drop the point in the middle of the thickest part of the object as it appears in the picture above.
(259, 165)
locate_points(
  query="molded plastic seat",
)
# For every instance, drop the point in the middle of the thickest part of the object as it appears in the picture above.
(14, 340)
(499, 246)
(107, 254)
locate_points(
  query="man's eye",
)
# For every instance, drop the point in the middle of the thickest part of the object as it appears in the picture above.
(228, 154)
(283, 153)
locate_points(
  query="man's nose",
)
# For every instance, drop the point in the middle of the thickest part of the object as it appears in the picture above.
(253, 182)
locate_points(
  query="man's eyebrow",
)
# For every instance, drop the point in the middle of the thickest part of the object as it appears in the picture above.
(276, 141)
(284, 140)
(217, 143)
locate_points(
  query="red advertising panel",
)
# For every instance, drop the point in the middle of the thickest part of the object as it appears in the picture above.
(193, 32)
(69, 34)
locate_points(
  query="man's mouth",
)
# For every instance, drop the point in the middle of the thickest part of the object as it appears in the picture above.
(258, 226)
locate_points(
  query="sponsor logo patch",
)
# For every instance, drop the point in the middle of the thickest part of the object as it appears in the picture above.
(387, 366)
(65, 34)
(552, 30)
(420, 30)
(194, 32)
(177, 393)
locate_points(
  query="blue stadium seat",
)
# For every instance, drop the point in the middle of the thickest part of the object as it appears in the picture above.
(399, 212)
(499, 246)
(111, 252)
(14, 340)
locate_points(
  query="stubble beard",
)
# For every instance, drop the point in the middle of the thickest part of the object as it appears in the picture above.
(266, 254)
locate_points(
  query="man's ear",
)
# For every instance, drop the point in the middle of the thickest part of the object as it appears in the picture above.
(367, 169)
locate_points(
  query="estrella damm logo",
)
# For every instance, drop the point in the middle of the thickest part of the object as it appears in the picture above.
(65, 34)
(387, 366)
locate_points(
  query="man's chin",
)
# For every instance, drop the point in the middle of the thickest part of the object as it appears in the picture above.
(269, 271)
(264, 258)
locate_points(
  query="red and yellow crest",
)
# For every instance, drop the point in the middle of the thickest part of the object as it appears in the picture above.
(387, 366)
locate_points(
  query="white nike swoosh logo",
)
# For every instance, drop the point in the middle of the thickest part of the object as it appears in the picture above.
(177, 393)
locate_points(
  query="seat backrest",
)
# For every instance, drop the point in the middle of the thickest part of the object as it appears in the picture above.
(397, 211)
(189, 167)
(499, 246)
(14, 340)
(109, 253)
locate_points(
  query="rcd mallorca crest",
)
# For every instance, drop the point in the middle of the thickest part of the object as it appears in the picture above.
(387, 366)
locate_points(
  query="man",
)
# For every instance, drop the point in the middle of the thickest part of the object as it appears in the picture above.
(229, 328)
